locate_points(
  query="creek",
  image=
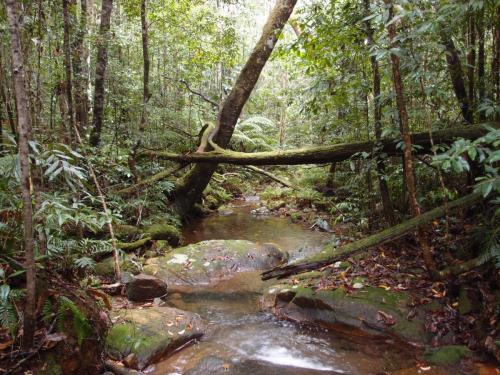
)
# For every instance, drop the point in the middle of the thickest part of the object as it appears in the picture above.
(242, 339)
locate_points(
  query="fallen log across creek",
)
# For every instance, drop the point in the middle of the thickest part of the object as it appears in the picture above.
(330, 255)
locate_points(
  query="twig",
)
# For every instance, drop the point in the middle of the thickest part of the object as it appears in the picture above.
(201, 95)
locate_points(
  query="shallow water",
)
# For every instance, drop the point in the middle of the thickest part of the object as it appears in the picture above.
(245, 340)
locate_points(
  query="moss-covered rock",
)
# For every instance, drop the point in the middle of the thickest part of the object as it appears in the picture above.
(165, 232)
(147, 335)
(106, 267)
(209, 262)
(447, 355)
(145, 287)
(375, 311)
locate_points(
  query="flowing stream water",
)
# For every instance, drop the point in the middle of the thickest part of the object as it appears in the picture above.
(245, 340)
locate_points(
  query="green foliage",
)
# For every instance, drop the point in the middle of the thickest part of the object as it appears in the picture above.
(80, 323)
(8, 314)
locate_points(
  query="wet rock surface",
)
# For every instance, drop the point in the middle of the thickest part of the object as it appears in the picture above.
(144, 336)
(145, 287)
(208, 262)
(374, 311)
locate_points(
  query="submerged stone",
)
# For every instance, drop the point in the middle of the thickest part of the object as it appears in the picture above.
(447, 355)
(374, 311)
(144, 336)
(208, 262)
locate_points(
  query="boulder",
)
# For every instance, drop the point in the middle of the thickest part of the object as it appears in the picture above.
(106, 267)
(145, 336)
(145, 287)
(208, 262)
(372, 311)
(164, 232)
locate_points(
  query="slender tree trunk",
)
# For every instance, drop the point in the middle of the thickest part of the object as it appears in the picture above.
(405, 134)
(495, 61)
(457, 77)
(8, 109)
(481, 63)
(471, 59)
(79, 72)
(377, 121)
(190, 190)
(146, 63)
(67, 62)
(100, 72)
(24, 130)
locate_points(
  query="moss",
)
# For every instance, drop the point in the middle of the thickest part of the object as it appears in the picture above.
(51, 367)
(121, 338)
(164, 232)
(447, 355)
(106, 267)
(295, 217)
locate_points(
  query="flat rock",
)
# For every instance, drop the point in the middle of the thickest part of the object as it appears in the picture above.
(145, 336)
(208, 262)
(370, 310)
(145, 287)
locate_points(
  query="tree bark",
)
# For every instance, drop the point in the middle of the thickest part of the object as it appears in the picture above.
(24, 134)
(324, 154)
(495, 61)
(189, 192)
(67, 62)
(79, 71)
(377, 120)
(405, 134)
(330, 255)
(456, 75)
(100, 72)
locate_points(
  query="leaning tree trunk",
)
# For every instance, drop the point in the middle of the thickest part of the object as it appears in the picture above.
(405, 134)
(24, 134)
(190, 190)
(100, 72)
(457, 77)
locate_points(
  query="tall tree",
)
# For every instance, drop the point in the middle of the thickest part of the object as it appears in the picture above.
(79, 71)
(495, 61)
(405, 134)
(481, 84)
(146, 63)
(67, 62)
(377, 120)
(24, 136)
(100, 72)
(190, 190)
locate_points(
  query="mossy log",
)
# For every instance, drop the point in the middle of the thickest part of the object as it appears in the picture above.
(149, 180)
(324, 154)
(330, 255)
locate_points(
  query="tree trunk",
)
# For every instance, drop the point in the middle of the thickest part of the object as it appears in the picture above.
(377, 120)
(408, 146)
(471, 59)
(456, 75)
(189, 192)
(495, 61)
(480, 64)
(100, 72)
(330, 255)
(146, 63)
(79, 72)
(24, 133)
(67, 62)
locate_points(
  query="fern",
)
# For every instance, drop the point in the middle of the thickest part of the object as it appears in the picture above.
(80, 323)
(8, 314)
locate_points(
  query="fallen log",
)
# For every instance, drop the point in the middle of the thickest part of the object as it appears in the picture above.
(149, 180)
(330, 255)
(280, 180)
(324, 154)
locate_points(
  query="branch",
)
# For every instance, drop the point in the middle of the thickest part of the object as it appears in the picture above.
(149, 180)
(271, 176)
(201, 95)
